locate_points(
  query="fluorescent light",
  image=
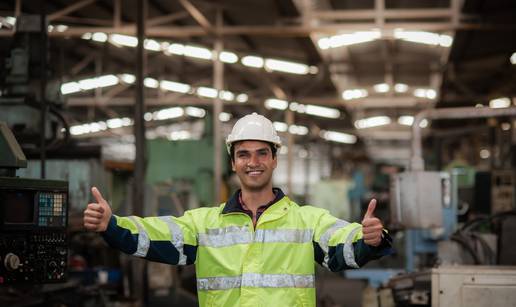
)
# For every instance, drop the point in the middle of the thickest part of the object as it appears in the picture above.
(207, 92)
(174, 86)
(381, 87)
(280, 126)
(252, 61)
(128, 78)
(126, 121)
(176, 49)
(484, 153)
(348, 39)
(123, 40)
(322, 111)
(224, 117)
(505, 126)
(339, 137)
(86, 35)
(198, 52)
(242, 98)
(299, 130)
(114, 123)
(10, 20)
(88, 84)
(503, 102)
(168, 113)
(273, 103)
(195, 112)
(228, 57)
(179, 135)
(286, 66)
(151, 82)
(70, 87)
(372, 122)
(425, 93)
(400, 88)
(147, 116)
(354, 94)
(99, 37)
(61, 28)
(406, 120)
(226, 95)
(513, 58)
(422, 37)
(297, 107)
(107, 80)
(152, 45)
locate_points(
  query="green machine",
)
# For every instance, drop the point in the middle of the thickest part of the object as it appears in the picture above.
(188, 161)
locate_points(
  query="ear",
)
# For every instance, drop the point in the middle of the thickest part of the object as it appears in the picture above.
(233, 166)
(275, 162)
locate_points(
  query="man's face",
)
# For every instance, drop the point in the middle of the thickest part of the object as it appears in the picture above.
(253, 163)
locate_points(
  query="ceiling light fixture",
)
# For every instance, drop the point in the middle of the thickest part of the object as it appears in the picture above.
(400, 88)
(374, 121)
(348, 39)
(252, 61)
(339, 137)
(381, 88)
(503, 102)
(423, 37)
(273, 103)
(286, 66)
(354, 94)
(174, 86)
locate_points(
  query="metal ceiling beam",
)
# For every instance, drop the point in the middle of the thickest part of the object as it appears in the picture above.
(166, 18)
(149, 101)
(197, 15)
(69, 9)
(387, 14)
(278, 31)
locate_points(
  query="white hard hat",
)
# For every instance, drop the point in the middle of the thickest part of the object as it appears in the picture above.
(253, 127)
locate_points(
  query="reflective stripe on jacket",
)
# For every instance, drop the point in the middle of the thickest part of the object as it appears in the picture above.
(239, 265)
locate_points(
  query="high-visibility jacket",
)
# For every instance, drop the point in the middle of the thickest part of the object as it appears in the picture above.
(238, 264)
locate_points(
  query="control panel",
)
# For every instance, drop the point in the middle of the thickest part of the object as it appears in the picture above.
(33, 237)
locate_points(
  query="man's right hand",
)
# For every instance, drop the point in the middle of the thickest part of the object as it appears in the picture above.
(97, 215)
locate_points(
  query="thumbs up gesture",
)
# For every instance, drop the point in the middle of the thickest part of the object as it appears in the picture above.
(372, 226)
(97, 215)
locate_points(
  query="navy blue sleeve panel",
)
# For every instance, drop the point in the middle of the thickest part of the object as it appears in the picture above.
(318, 253)
(120, 238)
(363, 253)
(165, 252)
(159, 251)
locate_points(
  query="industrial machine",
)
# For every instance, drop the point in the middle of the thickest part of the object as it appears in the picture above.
(33, 221)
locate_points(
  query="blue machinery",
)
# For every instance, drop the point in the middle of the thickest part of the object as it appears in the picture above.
(418, 242)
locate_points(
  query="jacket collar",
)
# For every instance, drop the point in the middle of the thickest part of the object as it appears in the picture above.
(233, 204)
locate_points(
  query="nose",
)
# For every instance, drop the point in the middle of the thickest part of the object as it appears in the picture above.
(253, 161)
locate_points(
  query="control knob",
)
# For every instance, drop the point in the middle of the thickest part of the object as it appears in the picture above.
(11, 262)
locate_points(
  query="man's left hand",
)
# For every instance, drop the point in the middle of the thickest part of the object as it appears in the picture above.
(372, 227)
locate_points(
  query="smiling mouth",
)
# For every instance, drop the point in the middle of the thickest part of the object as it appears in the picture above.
(254, 173)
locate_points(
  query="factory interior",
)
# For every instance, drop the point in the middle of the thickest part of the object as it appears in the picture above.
(409, 102)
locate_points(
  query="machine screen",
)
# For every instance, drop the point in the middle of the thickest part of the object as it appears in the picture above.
(18, 207)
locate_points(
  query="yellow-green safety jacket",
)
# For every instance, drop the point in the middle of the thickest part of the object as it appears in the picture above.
(237, 264)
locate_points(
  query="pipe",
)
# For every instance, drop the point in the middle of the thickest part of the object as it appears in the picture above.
(42, 86)
(218, 83)
(416, 161)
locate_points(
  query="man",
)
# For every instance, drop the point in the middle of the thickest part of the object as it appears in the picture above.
(258, 248)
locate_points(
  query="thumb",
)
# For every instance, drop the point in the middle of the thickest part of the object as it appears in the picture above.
(97, 195)
(370, 209)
